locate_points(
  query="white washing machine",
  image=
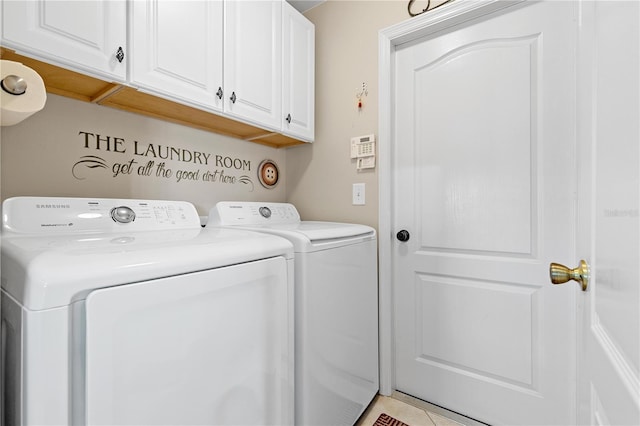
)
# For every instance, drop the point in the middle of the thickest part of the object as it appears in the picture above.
(128, 312)
(336, 308)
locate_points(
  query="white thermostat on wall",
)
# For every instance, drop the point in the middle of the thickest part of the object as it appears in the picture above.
(363, 146)
(363, 150)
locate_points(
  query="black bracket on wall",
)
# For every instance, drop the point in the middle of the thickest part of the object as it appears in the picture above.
(426, 9)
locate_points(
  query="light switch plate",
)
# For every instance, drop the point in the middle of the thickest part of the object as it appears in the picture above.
(358, 194)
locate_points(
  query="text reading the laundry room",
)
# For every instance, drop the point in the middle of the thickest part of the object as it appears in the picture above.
(115, 144)
(155, 160)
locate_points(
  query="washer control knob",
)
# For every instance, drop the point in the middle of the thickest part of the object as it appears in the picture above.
(123, 214)
(265, 212)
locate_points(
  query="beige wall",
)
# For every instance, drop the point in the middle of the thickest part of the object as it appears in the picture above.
(47, 155)
(320, 176)
(38, 155)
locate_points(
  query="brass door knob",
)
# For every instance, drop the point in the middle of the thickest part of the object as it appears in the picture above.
(560, 274)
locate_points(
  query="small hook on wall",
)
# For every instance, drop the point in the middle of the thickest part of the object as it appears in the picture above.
(361, 93)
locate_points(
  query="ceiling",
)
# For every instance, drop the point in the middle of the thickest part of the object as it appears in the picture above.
(304, 5)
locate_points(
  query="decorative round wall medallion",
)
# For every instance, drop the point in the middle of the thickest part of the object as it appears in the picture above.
(268, 173)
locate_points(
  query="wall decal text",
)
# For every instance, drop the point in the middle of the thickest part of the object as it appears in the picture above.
(156, 160)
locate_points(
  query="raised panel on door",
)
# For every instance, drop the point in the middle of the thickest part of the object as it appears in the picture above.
(82, 35)
(298, 74)
(253, 62)
(177, 50)
(483, 181)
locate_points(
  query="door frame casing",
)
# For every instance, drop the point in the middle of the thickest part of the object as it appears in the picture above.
(412, 29)
(608, 359)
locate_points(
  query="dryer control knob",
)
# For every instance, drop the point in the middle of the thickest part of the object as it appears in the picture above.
(123, 214)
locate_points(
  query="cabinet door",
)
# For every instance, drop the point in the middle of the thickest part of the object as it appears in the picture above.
(177, 50)
(85, 36)
(253, 62)
(298, 74)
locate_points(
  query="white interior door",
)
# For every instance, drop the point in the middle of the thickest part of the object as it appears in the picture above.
(484, 181)
(609, 164)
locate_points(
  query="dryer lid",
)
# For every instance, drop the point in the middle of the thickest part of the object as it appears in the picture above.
(43, 273)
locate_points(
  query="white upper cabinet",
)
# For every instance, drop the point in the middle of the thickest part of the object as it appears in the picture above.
(177, 50)
(89, 36)
(298, 74)
(253, 62)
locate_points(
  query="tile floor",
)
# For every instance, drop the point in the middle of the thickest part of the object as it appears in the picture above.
(413, 412)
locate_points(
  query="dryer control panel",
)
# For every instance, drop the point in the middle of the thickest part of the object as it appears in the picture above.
(47, 215)
(227, 213)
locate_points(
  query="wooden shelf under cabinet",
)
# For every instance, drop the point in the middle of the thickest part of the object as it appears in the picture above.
(63, 82)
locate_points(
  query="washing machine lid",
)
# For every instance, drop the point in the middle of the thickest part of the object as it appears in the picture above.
(52, 268)
(283, 219)
(316, 232)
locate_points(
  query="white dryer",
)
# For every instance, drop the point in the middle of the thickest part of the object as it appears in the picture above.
(336, 308)
(127, 312)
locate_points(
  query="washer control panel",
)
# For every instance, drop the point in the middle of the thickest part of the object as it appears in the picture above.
(45, 215)
(227, 213)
